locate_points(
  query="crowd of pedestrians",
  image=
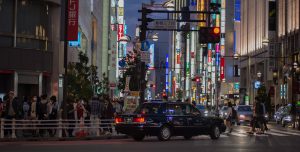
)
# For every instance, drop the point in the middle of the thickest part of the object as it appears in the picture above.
(41, 110)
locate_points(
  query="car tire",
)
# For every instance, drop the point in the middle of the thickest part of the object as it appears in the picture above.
(164, 133)
(215, 133)
(188, 137)
(138, 137)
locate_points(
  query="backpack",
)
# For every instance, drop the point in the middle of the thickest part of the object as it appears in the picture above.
(234, 113)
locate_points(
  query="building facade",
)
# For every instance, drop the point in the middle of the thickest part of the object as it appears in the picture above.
(30, 47)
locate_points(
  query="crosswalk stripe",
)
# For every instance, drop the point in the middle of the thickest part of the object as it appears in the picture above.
(275, 134)
(285, 132)
(239, 134)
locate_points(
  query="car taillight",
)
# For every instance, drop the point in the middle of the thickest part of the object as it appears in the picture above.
(139, 119)
(119, 120)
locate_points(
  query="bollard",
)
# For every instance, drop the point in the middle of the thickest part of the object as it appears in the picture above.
(60, 128)
(2, 128)
(98, 126)
(13, 135)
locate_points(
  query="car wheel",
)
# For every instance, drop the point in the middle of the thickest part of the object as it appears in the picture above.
(215, 133)
(164, 133)
(138, 137)
(187, 137)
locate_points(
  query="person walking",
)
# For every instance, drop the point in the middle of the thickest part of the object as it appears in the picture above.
(43, 113)
(70, 116)
(10, 111)
(26, 107)
(95, 114)
(293, 113)
(229, 117)
(52, 109)
(33, 115)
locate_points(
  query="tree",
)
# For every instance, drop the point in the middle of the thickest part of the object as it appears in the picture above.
(81, 78)
(103, 86)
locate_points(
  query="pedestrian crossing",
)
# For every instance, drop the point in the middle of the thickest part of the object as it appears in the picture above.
(243, 132)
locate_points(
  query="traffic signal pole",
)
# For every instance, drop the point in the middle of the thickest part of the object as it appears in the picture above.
(143, 32)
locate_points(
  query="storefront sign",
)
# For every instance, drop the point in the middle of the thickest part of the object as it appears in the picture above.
(222, 70)
(120, 31)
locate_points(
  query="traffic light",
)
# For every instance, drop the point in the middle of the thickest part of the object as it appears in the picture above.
(209, 35)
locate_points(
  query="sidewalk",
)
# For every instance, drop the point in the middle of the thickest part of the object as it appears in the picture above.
(103, 137)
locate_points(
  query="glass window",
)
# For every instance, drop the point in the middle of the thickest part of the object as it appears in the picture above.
(175, 109)
(149, 108)
(33, 34)
(7, 23)
(7, 15)
(244, 108)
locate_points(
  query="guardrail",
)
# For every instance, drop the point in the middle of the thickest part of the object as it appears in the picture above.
(57, 126)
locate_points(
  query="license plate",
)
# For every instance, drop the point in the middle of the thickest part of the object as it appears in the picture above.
(128, 120)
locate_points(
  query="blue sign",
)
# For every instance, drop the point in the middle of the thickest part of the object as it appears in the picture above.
(237, 10)
(76, 43)
(145, 46)
(122, 63)
(257, 84)
(237, 86)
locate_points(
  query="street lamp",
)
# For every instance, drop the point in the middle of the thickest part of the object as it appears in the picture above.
(236, 56)
(155, 37)
(125, 39)
(169, 5)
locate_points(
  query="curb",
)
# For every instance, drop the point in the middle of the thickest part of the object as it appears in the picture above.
(64, 139)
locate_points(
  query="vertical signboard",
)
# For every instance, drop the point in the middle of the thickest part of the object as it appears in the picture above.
(151, 50)
(72, 18)
(120, 31)
(222, 71)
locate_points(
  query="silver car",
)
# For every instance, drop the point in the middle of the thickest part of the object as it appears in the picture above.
(280, 114)
(244, 113)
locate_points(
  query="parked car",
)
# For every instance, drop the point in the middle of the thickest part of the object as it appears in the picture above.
(223, 112)
(244, 113)
(280, 114)
(166, 119)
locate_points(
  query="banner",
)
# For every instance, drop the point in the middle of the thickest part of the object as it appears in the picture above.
(120, 31)
(72, 32)
(222, 75)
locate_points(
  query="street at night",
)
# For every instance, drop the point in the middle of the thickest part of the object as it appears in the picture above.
(275, 140)
(149, 75)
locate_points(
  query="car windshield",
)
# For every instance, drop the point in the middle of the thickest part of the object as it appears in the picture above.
(225, 108)
(244, 108)
(148, 108)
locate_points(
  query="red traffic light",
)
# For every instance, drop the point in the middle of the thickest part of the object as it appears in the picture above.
(197, 79)
(216, 30)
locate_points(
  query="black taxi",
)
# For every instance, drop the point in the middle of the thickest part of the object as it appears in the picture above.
(166, 119)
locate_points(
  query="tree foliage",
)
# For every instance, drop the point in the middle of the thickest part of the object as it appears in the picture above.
(81, 77)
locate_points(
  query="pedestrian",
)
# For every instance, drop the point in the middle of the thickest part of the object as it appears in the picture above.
(33, 115)
(10, 111)
(95, 113)
(293, 113)
(70, 116)
(43, 113)
(229, 118)
(117, 107)
(26, 107)
(52, 115)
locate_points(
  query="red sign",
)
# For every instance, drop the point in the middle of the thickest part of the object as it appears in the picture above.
(222, 71)
(209, 56)
(178, 58)
(120, 31)
(72, 33)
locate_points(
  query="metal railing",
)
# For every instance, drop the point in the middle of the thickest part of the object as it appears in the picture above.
(89, 127)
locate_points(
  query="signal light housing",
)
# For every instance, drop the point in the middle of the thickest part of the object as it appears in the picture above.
(209, 35)
(119, 120)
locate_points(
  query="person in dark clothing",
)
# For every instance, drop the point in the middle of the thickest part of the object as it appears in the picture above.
(43, 112)
(293, 113)
(70, 116)
(52, 114)
(10, 112)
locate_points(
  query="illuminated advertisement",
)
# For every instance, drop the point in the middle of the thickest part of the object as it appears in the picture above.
(151, 50)
(222, 71)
